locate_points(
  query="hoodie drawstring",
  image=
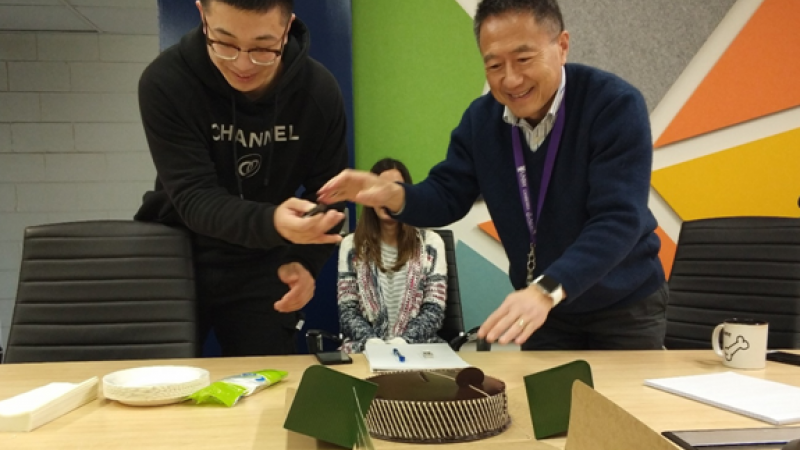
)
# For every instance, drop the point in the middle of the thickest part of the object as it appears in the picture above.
(235, 149)
(271, 149)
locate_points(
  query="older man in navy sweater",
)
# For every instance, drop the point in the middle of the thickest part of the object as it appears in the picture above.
(562, 155)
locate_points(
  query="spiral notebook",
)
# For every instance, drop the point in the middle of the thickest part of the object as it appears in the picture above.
(772, 402)
(391, 357)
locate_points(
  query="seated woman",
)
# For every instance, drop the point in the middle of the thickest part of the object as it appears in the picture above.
(392, 282)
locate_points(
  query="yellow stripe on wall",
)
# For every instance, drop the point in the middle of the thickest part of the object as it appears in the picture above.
(761, 178)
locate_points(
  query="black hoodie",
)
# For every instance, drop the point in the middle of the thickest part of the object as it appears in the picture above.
(201, 131)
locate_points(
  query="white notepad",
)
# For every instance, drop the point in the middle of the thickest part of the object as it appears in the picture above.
(772, 402)
(381, 357)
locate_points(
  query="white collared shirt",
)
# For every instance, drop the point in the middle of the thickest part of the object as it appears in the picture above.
(536, 135)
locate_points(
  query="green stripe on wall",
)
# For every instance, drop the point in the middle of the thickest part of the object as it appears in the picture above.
(416, 68)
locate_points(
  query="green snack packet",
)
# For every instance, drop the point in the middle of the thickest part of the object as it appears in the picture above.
(229, 390)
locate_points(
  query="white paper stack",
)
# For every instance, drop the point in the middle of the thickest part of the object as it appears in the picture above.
(772, 402)
(32, 409)
(382, 357)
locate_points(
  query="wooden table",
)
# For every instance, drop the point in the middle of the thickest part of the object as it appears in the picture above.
(257, 421)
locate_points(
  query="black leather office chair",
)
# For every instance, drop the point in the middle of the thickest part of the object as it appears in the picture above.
(452, 330)
(104, 290)
(735, 267)
(453, 325)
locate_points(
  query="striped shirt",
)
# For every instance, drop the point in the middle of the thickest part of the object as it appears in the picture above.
(536, 135)
(392, 285)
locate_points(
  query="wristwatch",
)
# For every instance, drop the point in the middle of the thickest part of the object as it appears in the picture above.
(550, 288)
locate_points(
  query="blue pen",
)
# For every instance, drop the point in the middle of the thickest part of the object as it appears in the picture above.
(399, 355)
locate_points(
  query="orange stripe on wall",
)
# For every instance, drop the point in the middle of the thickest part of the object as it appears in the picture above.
(488, 228)
(756, 76)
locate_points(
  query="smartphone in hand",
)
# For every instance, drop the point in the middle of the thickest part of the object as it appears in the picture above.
(331, 358)
(319, 209)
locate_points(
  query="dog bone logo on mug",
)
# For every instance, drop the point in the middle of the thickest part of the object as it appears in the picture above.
(741, 343)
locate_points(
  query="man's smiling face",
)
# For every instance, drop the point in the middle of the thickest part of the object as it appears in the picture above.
(523, 61)
(246, 30)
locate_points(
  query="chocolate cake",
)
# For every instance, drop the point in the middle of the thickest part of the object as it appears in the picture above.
(438, 406)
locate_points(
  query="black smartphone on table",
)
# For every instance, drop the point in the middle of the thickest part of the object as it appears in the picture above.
(784, 357)
(331, 358)
(739, 438)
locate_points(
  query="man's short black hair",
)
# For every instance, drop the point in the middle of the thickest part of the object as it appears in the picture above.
(256, 5)
(545, 11)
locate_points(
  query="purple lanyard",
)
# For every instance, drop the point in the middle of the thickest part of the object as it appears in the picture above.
(522, 179)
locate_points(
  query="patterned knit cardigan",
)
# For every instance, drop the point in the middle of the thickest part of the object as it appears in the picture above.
(363, 315)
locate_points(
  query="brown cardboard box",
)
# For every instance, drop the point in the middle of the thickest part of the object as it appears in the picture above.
(596, 423)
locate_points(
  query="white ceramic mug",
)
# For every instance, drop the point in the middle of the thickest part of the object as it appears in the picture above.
(744, 343)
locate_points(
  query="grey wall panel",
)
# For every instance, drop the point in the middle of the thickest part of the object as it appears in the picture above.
(647, 42)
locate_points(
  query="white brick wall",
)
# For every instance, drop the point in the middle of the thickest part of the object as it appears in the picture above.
(71, 140)
(13, 226)
(3, 76)
(18, 47)
(114, 3)
(19, 107)
(5, 137)
(40, 137)
(89, 107)
(127, 21)
(38, 76)
(15, 168)
(14, 252)
(108, 137)
(114, 48)
(127, 166)
(8, 202)
(106, 76)
(76, 168)
(67, 47)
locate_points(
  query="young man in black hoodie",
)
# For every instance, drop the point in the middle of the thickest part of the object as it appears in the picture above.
(238, 118)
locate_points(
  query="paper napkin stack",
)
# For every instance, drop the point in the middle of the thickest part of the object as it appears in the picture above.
(32, 409)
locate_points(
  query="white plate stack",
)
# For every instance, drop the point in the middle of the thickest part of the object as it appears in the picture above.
(154, 385)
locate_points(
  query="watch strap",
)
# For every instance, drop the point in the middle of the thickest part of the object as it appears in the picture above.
(550, 287)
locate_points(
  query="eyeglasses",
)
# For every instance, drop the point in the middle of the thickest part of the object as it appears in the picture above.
(258, 56)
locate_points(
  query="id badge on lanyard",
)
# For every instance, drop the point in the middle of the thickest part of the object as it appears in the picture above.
(547, 173)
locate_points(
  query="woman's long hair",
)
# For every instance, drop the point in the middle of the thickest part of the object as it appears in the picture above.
(367, 239)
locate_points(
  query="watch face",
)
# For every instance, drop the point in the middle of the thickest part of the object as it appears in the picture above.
(548, 284)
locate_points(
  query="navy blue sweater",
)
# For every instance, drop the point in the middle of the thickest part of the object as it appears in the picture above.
(596, 233)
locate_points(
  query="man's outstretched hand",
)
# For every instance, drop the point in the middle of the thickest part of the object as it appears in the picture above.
(365, 188)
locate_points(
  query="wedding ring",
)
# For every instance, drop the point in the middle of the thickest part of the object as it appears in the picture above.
(521, 323)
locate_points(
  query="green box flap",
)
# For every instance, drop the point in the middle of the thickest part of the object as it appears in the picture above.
(550, 396)
(325, 405)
